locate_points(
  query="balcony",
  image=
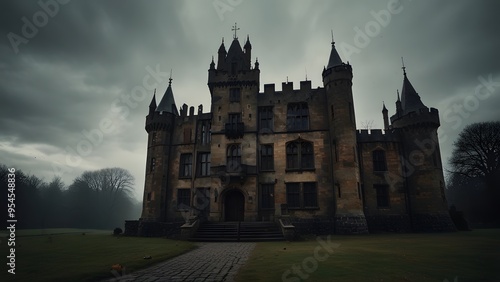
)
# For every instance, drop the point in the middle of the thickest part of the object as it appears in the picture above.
(234, 174)
(234, 130)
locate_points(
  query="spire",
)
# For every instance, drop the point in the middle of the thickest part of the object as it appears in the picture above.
(167, 103)
(384, 109)
(152, 105)
(222, 48)
(410, 100)
(212, 64)
(399, 100)
(385, 116)
(334, 56)
(248, 45)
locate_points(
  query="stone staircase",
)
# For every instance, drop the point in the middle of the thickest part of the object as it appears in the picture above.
(238, 232)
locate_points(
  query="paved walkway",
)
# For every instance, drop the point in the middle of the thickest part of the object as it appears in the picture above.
(209, 262)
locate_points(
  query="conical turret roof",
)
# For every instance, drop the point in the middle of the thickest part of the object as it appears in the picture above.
(334, 59)
(410, 100)
(167, 103)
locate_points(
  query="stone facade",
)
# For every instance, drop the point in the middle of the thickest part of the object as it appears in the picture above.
(294, 154)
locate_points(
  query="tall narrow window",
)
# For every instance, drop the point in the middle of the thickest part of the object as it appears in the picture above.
(297, 117)
(186, 165)
(152, 166)
(233, 163)
(266, 118)
(266, 157)
(204, 164)
(205, 132)
(267, 196)
(183, 199)
(299, 155)
(310, 195)
(382, 195)
(293, 195)
(234, 94)
(379, 162)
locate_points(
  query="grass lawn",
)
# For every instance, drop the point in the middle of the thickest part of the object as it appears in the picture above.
(466, 256)
(77, 257)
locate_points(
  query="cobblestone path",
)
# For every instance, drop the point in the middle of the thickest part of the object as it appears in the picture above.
(209, 262)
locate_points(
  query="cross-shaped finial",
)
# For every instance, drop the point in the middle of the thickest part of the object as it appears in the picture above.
(235, 28)
(170, 78)
(404, 68)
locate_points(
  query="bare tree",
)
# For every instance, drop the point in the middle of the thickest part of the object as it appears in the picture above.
(477, 152)
(367, 124)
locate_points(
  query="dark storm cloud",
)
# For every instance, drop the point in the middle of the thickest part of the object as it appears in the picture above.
(65, 80)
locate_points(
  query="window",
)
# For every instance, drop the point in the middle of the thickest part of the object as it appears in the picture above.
(379, 163)
(234, 118)
(206, 134)
(299, 155)
(186, 165)
(297, 117)
(233, 163)
(301, 195)
(310, 195)
(267, 196)
(152, 165)
(266, 157)
(266, 118)
(382, 195)
(204, 164)
(148, 198)
(183, 199)
(234, 94)
(293, 195)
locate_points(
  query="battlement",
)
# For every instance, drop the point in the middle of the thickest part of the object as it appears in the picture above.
(424, 115)
(375, 135)
(287, 87)
(225, 78)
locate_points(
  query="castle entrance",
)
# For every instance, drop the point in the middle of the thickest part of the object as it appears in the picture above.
(234, 206)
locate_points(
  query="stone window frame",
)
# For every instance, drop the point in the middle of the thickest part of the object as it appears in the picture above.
(297, 116)
(186, 165)
(303, 152)
(203, 166)
(266, 158)
(296, 195)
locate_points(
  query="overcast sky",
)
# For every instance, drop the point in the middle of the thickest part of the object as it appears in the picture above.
(82, 67)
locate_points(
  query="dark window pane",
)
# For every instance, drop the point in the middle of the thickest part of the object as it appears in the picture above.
(379, 162)
(204, 164)
(186, 165)
(293, 195)
(382, 195)
(292, 156)
(310, 194)
(266, 157)
(233, 163)
(234, 95)
(307, 155)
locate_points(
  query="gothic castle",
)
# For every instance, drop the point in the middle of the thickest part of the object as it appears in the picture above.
(293, 154)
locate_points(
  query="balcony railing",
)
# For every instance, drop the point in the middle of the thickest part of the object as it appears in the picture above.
(234, 130)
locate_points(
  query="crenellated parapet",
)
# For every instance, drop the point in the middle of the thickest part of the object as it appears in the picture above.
(423, 116)
(376, 135)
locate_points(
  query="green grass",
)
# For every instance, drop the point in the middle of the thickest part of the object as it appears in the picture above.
(469, 256)
(77, 257)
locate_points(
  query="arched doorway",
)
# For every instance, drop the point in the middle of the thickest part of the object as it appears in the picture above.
(234, 206)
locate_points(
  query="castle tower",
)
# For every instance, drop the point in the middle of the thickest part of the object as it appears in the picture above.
(159, 125)
(417, 127)
(386, 117)
(337, 80)
(234, 86)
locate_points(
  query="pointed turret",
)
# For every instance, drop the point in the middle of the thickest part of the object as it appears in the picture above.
(221, 60)
(410, 100)
(167, 103)
(152, 105)
(212, 64)
(399, 109)
(334, 59)
(386, 117)
(248, 51)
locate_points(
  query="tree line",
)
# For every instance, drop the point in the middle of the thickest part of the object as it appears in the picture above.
(100, 199)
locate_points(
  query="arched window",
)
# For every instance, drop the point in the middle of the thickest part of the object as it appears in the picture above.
(233, 157)
(299, 155)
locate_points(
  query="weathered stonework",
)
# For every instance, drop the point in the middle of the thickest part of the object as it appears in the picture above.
(323, 175)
